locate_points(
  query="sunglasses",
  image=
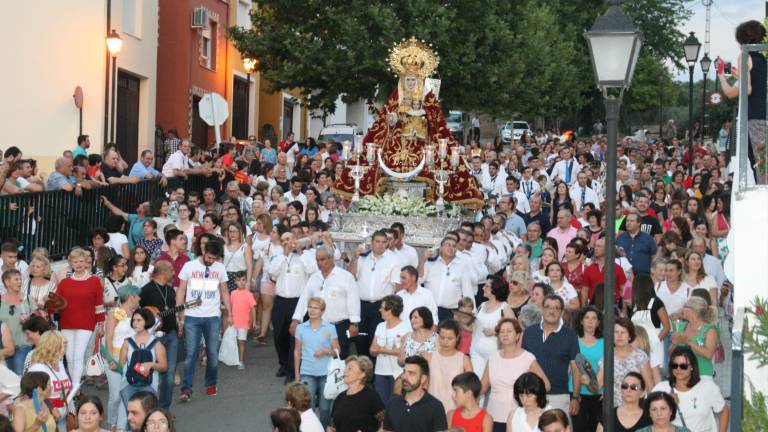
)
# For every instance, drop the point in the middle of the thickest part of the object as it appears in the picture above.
(681, 366)
(633, 387)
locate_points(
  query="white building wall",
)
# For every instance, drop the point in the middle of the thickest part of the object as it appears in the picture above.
(355, 112)
(65, 48)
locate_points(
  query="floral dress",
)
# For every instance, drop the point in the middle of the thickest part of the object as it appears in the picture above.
(413, 347)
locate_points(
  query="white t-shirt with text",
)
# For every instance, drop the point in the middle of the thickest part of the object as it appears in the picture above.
(203, 282)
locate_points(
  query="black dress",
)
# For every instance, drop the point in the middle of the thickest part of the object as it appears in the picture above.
(641, 423)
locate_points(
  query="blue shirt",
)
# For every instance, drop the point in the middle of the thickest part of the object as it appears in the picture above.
(638, 250)
(593, 354)
(141, 171)
(515, 224)
(135, 230)
(554, 354)
(313, 340)
(269, 155)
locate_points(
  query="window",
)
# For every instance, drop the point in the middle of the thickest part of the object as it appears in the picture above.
(243, 19)
(131, 17)
(209, 40)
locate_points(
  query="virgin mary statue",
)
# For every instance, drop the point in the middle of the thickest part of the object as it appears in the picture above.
(409, 121)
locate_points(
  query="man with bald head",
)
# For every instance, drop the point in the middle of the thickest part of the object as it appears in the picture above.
(339, 290)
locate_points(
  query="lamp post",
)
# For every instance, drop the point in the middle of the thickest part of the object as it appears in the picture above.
(114, 45)
(249, 64)
(691, 47)
(614, 46)
(705, 63)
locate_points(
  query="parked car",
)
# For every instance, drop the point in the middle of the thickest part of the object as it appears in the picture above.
(513, 130)
(340, 132)
(455, 122)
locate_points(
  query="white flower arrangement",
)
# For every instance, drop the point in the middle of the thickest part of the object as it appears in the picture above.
(396, 205)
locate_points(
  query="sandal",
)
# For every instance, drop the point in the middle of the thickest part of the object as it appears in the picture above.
(260, 340)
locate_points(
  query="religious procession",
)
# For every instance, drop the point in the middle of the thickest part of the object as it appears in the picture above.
(434, 270)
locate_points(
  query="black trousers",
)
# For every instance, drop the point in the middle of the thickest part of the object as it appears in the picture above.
(341, 331)
(590, 413)
(282, 313)
(444, 314)
(369, 319)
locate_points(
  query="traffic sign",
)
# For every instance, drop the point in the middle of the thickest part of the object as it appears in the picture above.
(214, 110)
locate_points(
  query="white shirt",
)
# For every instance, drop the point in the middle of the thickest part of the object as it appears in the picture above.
(377, 276)
(697, 405)
(310, 422)
(567, 292)
(529, 187)
(204, 283)
(300, 198)
(339, 290)
(713, 267)
(590, 196)
(177, 160)
(560, 171)
(407, 255)
(469, 262)
(480, 256)
(494, 185)
(448, 282)
(116, 242)
(291, 272)
(672, 302)
(386, 364)
(420, 297)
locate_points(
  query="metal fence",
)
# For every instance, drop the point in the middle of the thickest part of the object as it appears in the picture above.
(59, 220)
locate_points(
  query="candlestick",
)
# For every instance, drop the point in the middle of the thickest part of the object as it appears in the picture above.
(429, 153)
(345, 148)
(454, 157)
(370, 153)
(442, 148)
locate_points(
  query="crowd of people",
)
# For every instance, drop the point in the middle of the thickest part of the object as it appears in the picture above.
(496, 328)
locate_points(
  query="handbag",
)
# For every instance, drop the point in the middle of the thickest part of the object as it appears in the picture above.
(719, 355)
(334, 382)
(95, 366)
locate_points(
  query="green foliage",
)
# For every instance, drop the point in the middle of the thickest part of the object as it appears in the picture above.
(755, 417)
(497, 57)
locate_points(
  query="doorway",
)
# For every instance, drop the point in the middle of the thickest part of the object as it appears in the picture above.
(199, 127)
(287, 126)
(127, 127)
(240, 108)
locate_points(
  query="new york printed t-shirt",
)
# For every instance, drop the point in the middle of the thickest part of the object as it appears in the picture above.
(203, 282)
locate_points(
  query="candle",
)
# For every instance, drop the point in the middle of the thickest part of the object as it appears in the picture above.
(370, 152)
(429, 154)
(443, 148)
(358, 146)
(454, 157)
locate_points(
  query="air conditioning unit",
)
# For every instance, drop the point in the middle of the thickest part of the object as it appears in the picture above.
(200, 17)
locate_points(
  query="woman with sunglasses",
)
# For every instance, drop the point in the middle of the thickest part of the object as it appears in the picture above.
(630, 416)
(15, 309)
(698, 397)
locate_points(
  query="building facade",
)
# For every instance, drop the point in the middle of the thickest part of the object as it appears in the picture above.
(66, 49)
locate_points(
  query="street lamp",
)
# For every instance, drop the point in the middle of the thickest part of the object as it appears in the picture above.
(705, 63)
(250, 64)
(691, 47)
(114, 45)
(614, 46)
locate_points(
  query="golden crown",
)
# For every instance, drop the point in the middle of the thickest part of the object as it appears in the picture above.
(414, 57)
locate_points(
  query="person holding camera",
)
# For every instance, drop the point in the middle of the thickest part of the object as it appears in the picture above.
(751, 32)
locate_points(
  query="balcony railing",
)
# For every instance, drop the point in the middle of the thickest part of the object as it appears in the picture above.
(59, 220)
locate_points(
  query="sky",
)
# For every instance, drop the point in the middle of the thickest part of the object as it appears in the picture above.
(725, 16)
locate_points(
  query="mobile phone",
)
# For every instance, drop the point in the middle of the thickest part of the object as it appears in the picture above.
(727, 68)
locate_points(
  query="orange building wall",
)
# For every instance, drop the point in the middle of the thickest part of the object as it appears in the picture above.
(180, 74)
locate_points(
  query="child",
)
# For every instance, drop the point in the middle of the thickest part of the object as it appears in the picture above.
(466, 317)
(468, 416)
(243, 313)
(241, 175)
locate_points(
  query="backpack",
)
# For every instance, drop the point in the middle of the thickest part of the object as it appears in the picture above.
(643, 318)
(139, 355)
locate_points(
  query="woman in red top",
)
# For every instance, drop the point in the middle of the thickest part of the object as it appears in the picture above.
(84, 312)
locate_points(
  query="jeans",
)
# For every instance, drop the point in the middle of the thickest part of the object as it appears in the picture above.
(165, 385)
(116, 413)
(16, 363)
(194, 329)
(316, 384)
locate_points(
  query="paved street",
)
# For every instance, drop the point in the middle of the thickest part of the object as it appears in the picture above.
(244, 401)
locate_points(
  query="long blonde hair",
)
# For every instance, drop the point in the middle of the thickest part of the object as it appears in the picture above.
(51, 348)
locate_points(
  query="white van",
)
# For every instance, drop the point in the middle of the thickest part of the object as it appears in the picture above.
(339, 133)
